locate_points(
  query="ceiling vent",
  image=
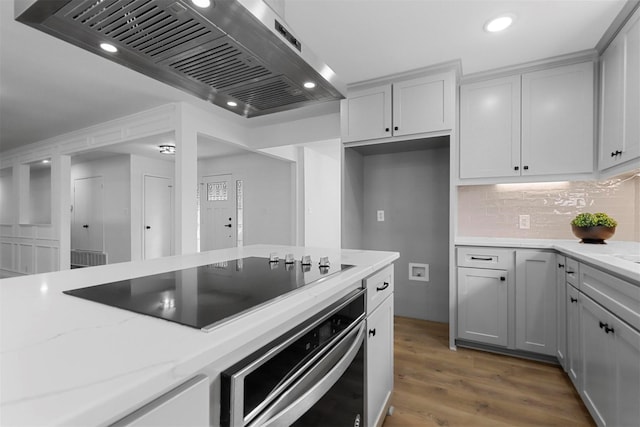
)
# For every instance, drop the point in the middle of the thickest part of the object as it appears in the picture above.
(234, 50)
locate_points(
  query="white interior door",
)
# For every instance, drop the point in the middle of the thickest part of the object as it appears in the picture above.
(87, 228)
(158, 219)
(218, 224)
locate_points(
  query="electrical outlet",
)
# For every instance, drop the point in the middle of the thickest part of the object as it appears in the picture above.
(525, 222)
(380, 215)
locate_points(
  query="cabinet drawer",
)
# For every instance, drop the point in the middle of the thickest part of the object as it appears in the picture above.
(483, 257)
(379, 286)
(618, 296)
(572, 272)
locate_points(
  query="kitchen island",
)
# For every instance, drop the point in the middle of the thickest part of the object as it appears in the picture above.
(68, 361)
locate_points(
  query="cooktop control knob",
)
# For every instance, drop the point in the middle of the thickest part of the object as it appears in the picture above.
(288, 259)
(273, 257)
(306, 260)
(324, 261)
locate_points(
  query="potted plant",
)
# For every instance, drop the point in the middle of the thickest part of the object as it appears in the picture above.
(593, 228)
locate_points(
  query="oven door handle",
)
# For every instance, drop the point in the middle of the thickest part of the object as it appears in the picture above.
(314, 384)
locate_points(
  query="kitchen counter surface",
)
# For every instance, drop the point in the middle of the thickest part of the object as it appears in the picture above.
(68, 361)
(609, 257)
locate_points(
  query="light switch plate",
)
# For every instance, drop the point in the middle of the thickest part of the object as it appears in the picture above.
(380, 215)
(525, 222)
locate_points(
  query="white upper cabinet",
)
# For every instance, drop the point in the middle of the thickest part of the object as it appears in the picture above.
(422, 105)
(533, 124)
(367, 114)
(557, 120)
(620, 97)
(490, 128)
(404, 108)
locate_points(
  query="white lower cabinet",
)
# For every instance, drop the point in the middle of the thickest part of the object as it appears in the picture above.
(536, 301)
(561, 310)
(611, 374)
(483, 300)
(186, 405)
(574, 352)
(379, 348)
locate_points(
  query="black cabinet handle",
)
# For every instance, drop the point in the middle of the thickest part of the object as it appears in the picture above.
(395, 128)
(386, 129)
(526, 168)
(560, 265)
(384, 286)
(603, 325)
(148, 227)
(502, 278)
(616, 153)
(372, 332)
(85, 226)
(228, 225)
(607, 329)
(516, 168)
(479, 258)
(573, 299)
(570, 272)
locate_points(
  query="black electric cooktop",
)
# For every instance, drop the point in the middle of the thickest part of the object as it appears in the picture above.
(203, 296)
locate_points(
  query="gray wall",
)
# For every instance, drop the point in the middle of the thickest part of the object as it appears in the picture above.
(412, 187)
(352, 199)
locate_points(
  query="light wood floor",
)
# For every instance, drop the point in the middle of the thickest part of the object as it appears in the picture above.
(438, 387)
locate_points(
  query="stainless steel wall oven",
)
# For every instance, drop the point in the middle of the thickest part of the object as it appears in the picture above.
(310, 376)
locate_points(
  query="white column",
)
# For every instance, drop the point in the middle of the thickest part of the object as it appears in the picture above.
(61, 207)
(186, 182)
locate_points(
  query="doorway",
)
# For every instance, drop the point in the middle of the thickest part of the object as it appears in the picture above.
(158, 218)
(87, 228)
(218, 223)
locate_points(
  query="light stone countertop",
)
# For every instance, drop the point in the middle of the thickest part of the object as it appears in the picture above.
(68, 361)
(608, 257)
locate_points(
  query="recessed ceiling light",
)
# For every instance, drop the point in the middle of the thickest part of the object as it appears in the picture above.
(201, 3)
(309, 85)
(108, 47)
(499, 24)
(167, 149)
(232, 103)
(45, 161)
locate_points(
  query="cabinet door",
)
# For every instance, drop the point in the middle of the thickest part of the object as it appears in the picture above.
(611, 105)
(557, 120)
(536, 302)
(483, 305)
(490, 128)
(186, 405)
(628, 374)
(422, 105)
(574, 349)
(598, 351)
(561, 311)
(631, 147)
(366, 114)
(379, 348)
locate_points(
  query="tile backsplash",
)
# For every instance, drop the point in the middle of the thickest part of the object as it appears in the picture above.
(494, 210)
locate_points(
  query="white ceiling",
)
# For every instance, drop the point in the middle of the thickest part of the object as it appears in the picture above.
(49, 87)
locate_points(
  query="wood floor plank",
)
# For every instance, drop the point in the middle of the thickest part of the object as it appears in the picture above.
(435, 386)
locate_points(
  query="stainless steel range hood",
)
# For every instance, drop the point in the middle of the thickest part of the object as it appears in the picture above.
(237, 51)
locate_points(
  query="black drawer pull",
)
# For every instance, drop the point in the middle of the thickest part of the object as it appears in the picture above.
(560, 265)
(502, 278)
(603, 325)
(85, 226)
(479, 258)
(372, 332)
(384, 286)
(571, 272)
(573, 299)
(607, 329)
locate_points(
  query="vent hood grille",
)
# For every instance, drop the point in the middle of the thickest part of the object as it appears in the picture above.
(220, 54)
